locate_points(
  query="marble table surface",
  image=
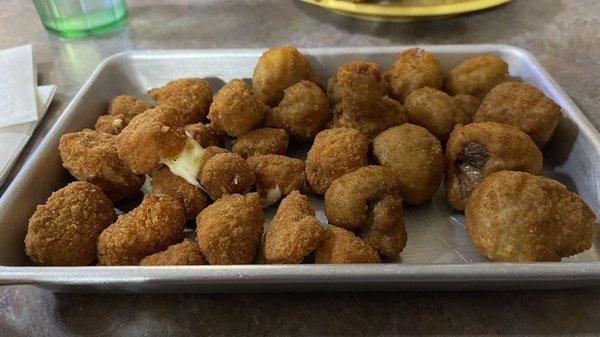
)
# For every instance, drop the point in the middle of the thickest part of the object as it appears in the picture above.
(563, 35)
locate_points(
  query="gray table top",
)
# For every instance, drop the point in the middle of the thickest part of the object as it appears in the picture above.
(563, 35)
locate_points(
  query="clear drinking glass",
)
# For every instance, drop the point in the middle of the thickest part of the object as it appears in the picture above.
(80, 18)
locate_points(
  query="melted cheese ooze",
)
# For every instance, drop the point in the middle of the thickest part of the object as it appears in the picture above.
(188, 163)
(272, 196)
(147, 187)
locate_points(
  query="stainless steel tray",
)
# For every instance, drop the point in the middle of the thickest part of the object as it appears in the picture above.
(438, 254)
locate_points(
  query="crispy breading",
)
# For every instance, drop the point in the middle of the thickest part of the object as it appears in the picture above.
(341, 246)
(191, 96)
(183, 253)
(261, 141)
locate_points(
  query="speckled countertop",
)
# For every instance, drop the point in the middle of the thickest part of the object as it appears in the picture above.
(563, 35)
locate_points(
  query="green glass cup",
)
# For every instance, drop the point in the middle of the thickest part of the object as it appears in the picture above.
(81, 18)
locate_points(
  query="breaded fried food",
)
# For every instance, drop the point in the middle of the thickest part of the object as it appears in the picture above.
(155, 135)
(357, 81)
(92, 156)
(112, 125)
(226, 173)
(150, 228)
(516, 216)
(334, 153)
(303, 112)
(415, 157)
(276, 176)
(229, 230)
(127, 107)
(477, 75)
(64, 230)
(180, 254)
(468, 103)
(368, 199)
(278, 69)
(205, 135)
(294, 232)
(236, 109)
(261, 141)
(369, 117)
(341, 246)
(192, 198)
(191, 96)
(436, 111)
(523, 106)
(477, 150)
(413, 69)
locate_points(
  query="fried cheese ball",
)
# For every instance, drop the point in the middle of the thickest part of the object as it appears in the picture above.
(477, 150)
(415, 157)
(192, 198)
(294, 232)
(121, 111)
(226, 173)
(236, 109)
(276, 176)
(369, 199)
(205, 135)
(278, 69)
(342, 246)
(261, 141)
(357, 81)
(302, 113)
(155, 135)
(64, 230)
(229, 230)
(523, 106)
(112, 125)
(334, 153)
(154, 225)
(413, 69)
(468, 103)
(180, 254)
(477, 75)
(436, 111)
(516, 216)
(92, 156)
(369, 117)
(191, 96)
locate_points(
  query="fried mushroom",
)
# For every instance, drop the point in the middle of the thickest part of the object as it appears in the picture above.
(477, 75)
(413, 69)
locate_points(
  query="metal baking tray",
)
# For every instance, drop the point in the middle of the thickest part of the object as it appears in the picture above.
(438, 254)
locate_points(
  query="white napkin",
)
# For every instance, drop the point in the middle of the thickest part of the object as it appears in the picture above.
(17, 86)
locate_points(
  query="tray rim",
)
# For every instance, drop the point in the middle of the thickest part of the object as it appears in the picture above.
(489, 272)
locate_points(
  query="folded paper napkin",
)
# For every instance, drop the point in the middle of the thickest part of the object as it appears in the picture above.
(22, 103)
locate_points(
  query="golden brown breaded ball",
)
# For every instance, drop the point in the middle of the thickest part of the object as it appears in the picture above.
(294, 232)
(369, 198)
(357, 81)
(303, 112)
(92, 156)
(261, 141)
(192, 198)
(468, 103)
(184, 253)
(205, 135)
(413, 69)
(191, 96)
(477, 75)
(334, 153)
(415, 157)
(226, 173)
(151, 227)
(127, 107)
(516, 216)
(342, 246)
(236, 109)
(276, 176)
(64, 230)
(436, 111)
(477, 150)
(369, 117)
(112, 125)
(278, 69)
(523, 106)
(229, 230)
(155, 135)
